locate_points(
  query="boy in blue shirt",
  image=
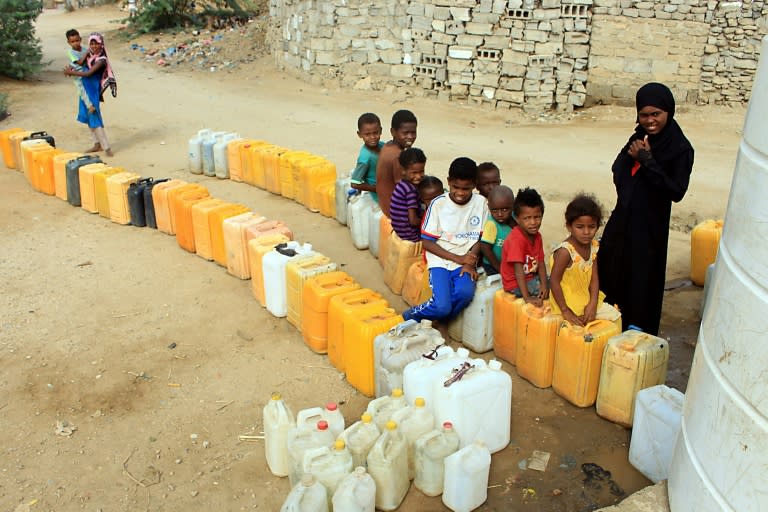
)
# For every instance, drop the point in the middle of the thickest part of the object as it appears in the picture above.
(450, 235)
(364, 176)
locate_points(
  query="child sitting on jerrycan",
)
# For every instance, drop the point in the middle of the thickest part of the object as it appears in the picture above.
(450, 235)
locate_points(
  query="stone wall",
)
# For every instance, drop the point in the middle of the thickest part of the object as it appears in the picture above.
(534, 54)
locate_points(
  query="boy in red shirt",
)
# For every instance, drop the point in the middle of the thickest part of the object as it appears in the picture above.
(523, 272)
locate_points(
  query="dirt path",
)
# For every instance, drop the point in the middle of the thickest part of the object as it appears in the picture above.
(90, 308)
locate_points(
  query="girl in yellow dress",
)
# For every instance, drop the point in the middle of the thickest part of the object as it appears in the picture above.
(575, 290)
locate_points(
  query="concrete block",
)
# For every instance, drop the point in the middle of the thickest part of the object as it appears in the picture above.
(454, 27)
(516, 97)
(535, 36)
(328, 58)
(444, 39)
(576, 50)
(374, 56)
(637, 66)
(514, 57)
(459, 78)
(402, 71)
(491, 18)
(549, 48)
(576, 38)
(385, 44)
(458, 65)
(487, 79)
(438, 25)
(391, 56)
(496, 42)
(499, 6)
(461, 52)
(415, 9)
(479, 28)
(442, 13)
(421, 23)
(523, 46)
(349, 30)
(550, 4)
(469, 40)
(425, 46)
(488, 93)
(460, 13)
(441, 50)
(512, 69)
(511, 84)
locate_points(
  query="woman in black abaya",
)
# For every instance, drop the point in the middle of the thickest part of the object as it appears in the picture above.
(651, 171)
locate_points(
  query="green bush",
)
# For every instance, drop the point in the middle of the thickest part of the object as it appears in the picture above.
(157, 15)
(20, 52)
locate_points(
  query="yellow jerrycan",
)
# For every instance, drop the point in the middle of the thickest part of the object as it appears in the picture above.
(536, 336)
(297, 271)
(185, 225)
(401, 255)
(506, 308)
(201, 231)
(705, 238)
(348, 305)
(359, 334)
(317, 294)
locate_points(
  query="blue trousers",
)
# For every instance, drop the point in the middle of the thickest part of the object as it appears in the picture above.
(451, 293)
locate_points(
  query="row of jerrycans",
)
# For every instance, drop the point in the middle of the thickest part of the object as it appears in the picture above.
(596, 363)
(392, 444)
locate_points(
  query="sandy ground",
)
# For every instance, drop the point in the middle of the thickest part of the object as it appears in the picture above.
(89, 308)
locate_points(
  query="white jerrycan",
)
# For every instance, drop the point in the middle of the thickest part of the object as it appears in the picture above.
(388, 465)
(209, 168)
(335, 419)
(477, 399)
(278, 421)
(374, 229)
(395, 349)
(309, 495)
(360, 438)
(414, 421)
(477, 328)
(220, 160)
(466, 477)
(342, 198)
(301, 439)
(359, 212)
(419, 377)
(275, 285)
(384, 407)
(431, 449)
(195, 151)
(328, 465)
(355, 493)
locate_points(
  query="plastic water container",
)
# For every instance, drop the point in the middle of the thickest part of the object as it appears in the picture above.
(466, 477)
(395, 349)
(332, 415)
(220, 155)
(171, 197)
(705, 293)
(359, 213)
(297, 272)
(308, 495)
(477, 331)
(414, 421)
(100, 189)
(216, 224)
(236, 243)
(162, 208)
(578, 359)
(209, 165)
(316, 296)
(388, 465)
(60, 173)
(431, 449)
(456, 326)
(505, 310)
(416, 287)
(355, 493)
(117, 195)
(342, 307)
(385, 229)
(632, 361)
(195, 151)
(329, 465)
(399, 256)
(705, 238)
(658, 411)
(257, 248)
(278, 421)
(302, 438)
(201, 228)
(536, 337)
(359, 336)
(342, 198)
(87, 188)
(309, 417)
(477, 399)
(374, 229)
(275, 287)
(383, 408)
(720, 457)
(360, 438)
(6, 146)
(419, 377)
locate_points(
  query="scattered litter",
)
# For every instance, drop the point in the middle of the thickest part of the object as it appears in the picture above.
(595, 476)
(64, 428)
(538, 461)
(249, 438)
(557, 492)
(193, 437)
(25, 507)
(528, 492)
(226, 404)
(84, 264)
(172, 345)
(523, 464)
(206, 444)
(174, 385)
(567, 462)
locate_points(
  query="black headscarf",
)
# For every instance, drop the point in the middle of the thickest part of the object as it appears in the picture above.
(670, 142)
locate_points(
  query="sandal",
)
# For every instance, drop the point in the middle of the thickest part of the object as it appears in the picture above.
(109, 152)
(95, 149)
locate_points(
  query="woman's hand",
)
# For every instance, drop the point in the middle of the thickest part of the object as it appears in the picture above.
(590, 312)
(571, 317)
(91, 109)
(533, 300)
(640, 149)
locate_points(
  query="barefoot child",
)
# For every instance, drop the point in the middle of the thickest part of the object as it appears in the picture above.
(364, 175)
(523, 272)
(404, 206)
(497, 227)
(488, 178)
(77, 57)
(575, 287)
(450, 235)
(388, 170)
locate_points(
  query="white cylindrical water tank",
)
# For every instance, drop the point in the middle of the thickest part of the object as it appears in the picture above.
(720, 461)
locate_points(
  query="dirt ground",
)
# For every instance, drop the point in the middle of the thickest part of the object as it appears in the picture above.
(90, 308)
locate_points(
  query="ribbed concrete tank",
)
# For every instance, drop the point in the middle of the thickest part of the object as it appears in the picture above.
(720, 461)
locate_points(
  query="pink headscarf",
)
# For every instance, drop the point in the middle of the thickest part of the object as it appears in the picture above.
(108, 80)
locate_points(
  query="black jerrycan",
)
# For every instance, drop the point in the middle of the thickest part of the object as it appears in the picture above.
(73, 176)
(136, 202)
(149, 204)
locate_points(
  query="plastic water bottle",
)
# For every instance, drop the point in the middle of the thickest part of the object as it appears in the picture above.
(278, 421)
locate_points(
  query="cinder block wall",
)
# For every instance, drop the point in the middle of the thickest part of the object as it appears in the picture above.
(534, 54)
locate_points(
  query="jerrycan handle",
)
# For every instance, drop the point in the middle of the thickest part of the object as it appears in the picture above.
(495, 278)
(38, 134)
(285, 250)
(400, 328)
(458, 373)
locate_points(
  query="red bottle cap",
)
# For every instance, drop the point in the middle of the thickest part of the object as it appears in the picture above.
(331, 406)
(447, 424)
(322, 425)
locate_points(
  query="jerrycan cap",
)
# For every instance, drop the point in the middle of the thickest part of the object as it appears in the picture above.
(493, 364)
(322, 425)
(419, 402)
(462, 352)
(397, 393)
(339, 445)
(308, 480)
(391, 425)
(426, 323)
(359, 471)
(277, 396)
(366, 418)
(331, 406)
(447, 425)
